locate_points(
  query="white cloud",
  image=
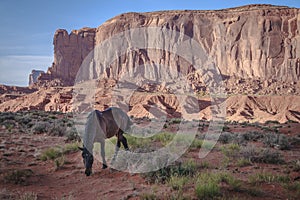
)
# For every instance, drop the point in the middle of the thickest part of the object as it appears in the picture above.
(15, 69)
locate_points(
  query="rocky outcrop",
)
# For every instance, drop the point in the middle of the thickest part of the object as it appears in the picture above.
(33, 77)
(255, 41)
(47, 99)
(69, 52)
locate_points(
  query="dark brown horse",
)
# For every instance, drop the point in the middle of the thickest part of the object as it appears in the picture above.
(99, 126)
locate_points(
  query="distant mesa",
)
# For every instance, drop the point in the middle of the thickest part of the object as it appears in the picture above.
(252, 41)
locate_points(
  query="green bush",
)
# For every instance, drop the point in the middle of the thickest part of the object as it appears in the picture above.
(177, 182)
(71, 147)
(243, 162)
(266, 177)
(197, 143)
(188, 168)
(175, 121)
(233, 183)
(207, 186)
(51, 154)
(231, 150)
(147, 196)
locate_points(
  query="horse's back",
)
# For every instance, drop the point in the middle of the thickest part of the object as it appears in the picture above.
(114, 119)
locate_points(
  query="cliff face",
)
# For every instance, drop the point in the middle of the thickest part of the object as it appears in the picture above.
(69, 52)
(257, 41)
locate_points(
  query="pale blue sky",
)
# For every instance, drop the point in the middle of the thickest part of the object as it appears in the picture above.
(27, 26)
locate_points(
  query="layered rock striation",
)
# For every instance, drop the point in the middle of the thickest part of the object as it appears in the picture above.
(255, 41)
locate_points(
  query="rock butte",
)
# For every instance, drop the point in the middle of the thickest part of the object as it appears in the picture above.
(255, 41)
(255, 47)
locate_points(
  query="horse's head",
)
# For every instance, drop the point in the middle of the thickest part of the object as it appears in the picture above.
(88, 160)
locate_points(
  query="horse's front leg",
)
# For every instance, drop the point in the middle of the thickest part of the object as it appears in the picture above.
(118, 145)
(104, 164)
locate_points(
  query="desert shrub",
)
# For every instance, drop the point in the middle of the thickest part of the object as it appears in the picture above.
(249, 152)
(23, 120)
(269, 156)
(18, 176)
(255, 192)
(208, 144)
(147, 196)
(271, 122)
(265, 177)
(276, 140)
(162, 175)
(163, 137)
(72, 134)
(283, 142)
(41, 127)
(261, 155)
(59, 162)
(159, 176)
(188, 168)
(57, 128)
(295, 165)
(234, 184)
(28, 196)
(71, 147)
(135, 143)
(295, 186)
(51, 154)
(6, 116)
(242, 162)
(177, 182)
(225, 128)
(226, 137)
(207, 186)
(204, 165)
(252, 136)
(55, 152)
(175, 121)
(9, 124)
(231, 150)
(197, 143)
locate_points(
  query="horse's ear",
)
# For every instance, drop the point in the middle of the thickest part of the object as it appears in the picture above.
(80, 148)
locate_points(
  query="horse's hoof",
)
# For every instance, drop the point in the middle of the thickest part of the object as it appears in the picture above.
(104, 166)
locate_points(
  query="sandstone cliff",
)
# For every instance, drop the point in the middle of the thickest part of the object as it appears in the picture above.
(256, 41)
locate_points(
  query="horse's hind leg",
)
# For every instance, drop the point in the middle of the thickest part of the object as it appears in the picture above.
(122, 139)
(124, 142)
(104, 164)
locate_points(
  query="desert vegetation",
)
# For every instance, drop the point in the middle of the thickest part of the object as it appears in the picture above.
(249, 161)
